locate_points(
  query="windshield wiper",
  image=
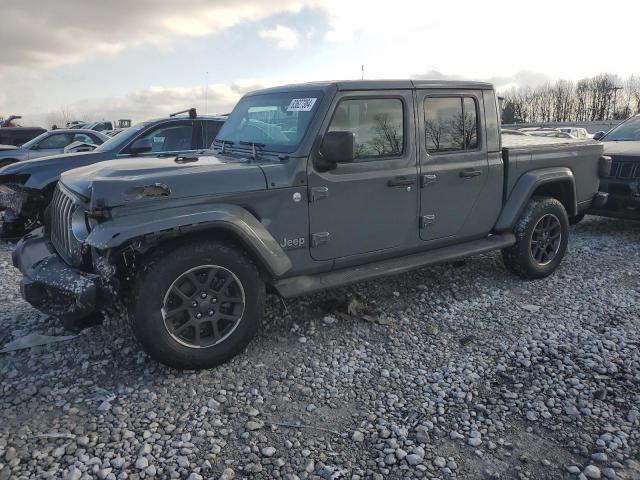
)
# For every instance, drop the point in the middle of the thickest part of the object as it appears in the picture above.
(253, 147)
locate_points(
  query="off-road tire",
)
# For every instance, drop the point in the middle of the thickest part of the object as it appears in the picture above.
(519, 258)
(157, 277)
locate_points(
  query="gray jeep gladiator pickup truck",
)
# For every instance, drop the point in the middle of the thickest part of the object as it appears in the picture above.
(307, 187)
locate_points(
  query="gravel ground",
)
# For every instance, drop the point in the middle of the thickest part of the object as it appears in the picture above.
(461, 371)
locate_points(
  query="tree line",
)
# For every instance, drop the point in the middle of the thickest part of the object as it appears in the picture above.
(603, 97)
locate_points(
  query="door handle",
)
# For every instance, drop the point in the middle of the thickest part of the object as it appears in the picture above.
(400, 182)
(470, 173)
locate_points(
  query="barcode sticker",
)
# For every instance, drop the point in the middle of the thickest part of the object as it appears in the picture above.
(301, 104)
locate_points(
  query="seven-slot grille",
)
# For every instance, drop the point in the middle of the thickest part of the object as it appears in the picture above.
(61, 214)
(625, 169)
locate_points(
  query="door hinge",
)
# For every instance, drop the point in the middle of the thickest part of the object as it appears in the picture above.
(428, 179)
(320, 238)
(318, 193)
(427, 220)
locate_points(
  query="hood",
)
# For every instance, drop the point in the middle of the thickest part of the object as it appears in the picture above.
(62, 161)
(127, 181)
(622, 149)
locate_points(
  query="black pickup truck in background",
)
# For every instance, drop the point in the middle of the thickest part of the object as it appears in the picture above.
(16, 136)
(622, 144)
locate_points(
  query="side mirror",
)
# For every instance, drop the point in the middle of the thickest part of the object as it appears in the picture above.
(337, 147)
(598, 135)
(141, 145)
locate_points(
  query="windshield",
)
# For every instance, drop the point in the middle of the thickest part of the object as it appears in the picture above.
(122, 138)
(33, 141)
(274, 121)
(626, 131)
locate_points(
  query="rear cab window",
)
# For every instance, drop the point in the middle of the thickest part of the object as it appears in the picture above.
(451, 124)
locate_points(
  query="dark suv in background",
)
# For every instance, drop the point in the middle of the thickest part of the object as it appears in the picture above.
(26, 188)
(622, 144)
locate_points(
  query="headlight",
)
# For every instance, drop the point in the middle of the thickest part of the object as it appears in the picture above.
(79, 224)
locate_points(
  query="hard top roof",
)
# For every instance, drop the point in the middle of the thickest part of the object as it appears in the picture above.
(346, 85)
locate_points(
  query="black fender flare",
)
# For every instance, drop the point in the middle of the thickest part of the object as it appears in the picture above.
(120, 230)
(525, 187)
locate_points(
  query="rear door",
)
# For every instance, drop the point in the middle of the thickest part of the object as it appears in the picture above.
(369, 205)
(453, 162)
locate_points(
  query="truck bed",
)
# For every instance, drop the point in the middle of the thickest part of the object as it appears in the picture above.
(521, 153)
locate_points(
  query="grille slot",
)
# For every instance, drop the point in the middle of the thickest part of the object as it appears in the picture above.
(61, 212)
(624, 170)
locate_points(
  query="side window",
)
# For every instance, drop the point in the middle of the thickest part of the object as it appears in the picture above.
(96, 140)
(170, 138)
(211, 129)
(470, 113)
(59, 140)
(451, 124)
(81, 137)
(377, 125)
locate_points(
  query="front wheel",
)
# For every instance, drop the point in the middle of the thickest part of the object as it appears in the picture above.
(197, 305)
(542, 234)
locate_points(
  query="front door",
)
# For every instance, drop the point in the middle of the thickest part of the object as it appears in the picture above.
(453, 162)
(371, 204)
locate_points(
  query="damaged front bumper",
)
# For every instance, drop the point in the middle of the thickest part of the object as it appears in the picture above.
(49, 284)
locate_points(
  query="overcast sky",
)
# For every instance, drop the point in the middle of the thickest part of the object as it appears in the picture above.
(138, 59)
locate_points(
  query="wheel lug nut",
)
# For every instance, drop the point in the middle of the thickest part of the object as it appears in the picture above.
(214, 300)
(194, 304)
(198, 315)
(210, 313)
(203, 295)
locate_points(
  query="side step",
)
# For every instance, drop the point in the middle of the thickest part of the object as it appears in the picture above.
(305, 284)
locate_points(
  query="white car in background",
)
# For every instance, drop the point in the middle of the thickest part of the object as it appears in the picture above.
(576, 132)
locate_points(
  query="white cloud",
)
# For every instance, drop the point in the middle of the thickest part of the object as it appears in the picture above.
(40, 33)
(151, 102)
(285, 37)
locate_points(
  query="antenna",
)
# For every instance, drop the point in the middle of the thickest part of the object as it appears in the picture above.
(206, 90)
(362, 71)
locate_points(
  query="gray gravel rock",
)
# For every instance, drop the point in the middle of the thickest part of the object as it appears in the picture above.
(452, 378)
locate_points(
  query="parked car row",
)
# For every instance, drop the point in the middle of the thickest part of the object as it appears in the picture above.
(50, 143)
(560, 132)
(306, 187)
(27, 187)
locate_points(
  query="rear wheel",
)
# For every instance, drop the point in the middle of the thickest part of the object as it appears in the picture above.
(541, 239)
(197, 305)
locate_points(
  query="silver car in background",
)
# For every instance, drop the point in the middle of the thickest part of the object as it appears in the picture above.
(49, 143)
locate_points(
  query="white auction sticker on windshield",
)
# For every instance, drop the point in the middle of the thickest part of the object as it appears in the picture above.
(301, 104)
